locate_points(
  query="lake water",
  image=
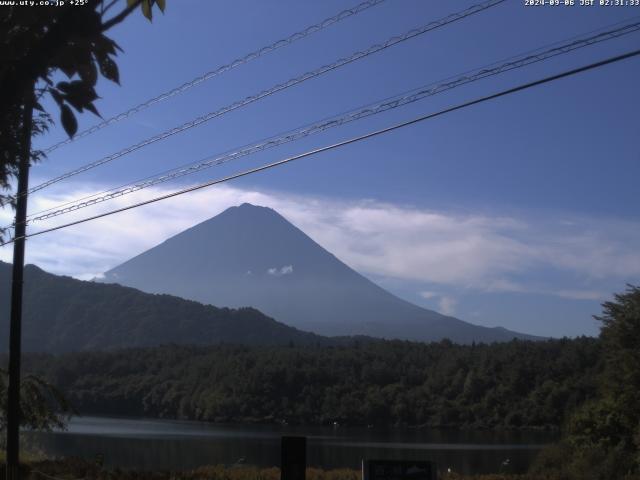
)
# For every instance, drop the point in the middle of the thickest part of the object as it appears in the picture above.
(171, 445)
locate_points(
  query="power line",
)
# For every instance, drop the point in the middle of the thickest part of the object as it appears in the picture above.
(220, 70)
(343, 143)
(387, 104)
(277, 88)
(559, 47)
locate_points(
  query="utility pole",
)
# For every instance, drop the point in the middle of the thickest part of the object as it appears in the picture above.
(15, 333)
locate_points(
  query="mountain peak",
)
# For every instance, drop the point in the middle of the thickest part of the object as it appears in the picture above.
(252, 256)
(247, 205)
(247, 210)
(250, 207)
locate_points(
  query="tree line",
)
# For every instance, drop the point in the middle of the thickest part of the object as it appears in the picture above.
(502, 385)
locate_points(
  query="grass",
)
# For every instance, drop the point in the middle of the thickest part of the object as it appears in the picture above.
(75, 469)
(25, 457)
(35, 468)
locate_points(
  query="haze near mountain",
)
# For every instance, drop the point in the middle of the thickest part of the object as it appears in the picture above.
(252, 256)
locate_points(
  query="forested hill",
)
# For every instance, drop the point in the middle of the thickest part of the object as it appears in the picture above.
(62, 314)
(507, 385)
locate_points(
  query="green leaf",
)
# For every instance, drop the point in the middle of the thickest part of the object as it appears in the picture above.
(109, 69)
(74, 102)
(103, 45)
(69, 71)
(68, 120)
(130, 3)
(116, 47)
(146, 9)
(91, 107)
(71, 56)
(64, 86)
(162, 4)
(78, 93)
(89, 73)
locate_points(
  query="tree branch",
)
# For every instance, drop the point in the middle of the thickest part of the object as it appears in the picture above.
(108, 7)
(121, 16)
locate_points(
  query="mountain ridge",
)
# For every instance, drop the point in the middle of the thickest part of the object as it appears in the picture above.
(63, 314)
(252, 255)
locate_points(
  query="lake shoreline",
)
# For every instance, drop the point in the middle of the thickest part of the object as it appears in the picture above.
(249, 422)
(151, 444)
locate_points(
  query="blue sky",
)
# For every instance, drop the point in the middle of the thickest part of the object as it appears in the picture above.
(521, 212)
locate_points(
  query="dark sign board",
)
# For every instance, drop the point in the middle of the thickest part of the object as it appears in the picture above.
(398, 470)
(294, 458)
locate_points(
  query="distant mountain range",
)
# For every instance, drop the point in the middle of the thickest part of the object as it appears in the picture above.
(252, 256)
(62, 314)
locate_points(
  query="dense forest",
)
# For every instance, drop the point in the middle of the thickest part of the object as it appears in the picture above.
(512, 385)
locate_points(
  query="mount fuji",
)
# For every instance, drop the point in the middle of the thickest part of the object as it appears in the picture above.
(252, 256)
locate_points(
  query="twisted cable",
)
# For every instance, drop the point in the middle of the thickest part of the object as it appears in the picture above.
(323, 125)
(275, 89)
(218, 71)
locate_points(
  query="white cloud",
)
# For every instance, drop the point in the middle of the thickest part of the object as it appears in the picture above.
(278, 272)
(428, 295)
(582, 294)
(479, 251)
(447, 305)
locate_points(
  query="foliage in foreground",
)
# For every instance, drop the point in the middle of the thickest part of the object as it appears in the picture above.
(602, 438)
(38, 45)
(42, 406)
(75, 469)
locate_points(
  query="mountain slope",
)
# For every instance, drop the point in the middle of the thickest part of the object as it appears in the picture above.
(63, 314)
(251, 255)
